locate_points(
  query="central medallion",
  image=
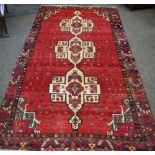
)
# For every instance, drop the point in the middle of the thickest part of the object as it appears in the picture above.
(75, 88)
(75, 50)
(76, 25)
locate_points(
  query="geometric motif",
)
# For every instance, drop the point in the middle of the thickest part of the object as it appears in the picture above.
(75, 88)
(124, 117)
(75, 50)
(76, 25)
(121, 120)
(23, 114)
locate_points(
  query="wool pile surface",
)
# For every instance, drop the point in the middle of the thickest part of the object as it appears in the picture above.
(76, 86)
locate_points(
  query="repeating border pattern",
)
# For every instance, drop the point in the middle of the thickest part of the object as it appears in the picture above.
(143, 118)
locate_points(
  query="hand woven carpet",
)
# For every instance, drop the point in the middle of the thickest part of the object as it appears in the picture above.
(76, 86)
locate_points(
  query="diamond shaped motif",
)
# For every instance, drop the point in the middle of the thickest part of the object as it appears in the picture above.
(77, 24)
(74, 88)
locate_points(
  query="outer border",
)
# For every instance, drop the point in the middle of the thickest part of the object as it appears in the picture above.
(9, 104)
(136, 93)
(140, 107)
